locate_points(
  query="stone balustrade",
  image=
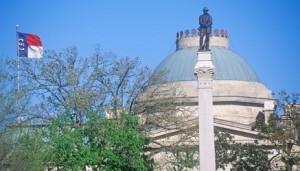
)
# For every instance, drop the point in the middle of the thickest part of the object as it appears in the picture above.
(196, 33)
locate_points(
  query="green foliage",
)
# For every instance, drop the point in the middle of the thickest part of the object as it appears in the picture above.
(101, 143)
(66, 145)
(290, 105)
(105, 144)
(29, 152)
(65, 81)
(250, 157)
(121, 144)
(6, 146)
(260, 122)
(21, 149)
(283, 129)
(223, 149)
(184, 158)
(241, 156)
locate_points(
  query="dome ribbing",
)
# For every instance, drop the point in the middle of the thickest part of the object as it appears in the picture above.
(179, 66)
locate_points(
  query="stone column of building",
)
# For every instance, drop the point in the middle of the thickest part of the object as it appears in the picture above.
(204, 71)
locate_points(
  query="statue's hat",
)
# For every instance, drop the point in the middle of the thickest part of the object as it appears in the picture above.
(205, 9)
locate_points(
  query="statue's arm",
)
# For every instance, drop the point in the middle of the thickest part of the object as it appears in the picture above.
(200, 23)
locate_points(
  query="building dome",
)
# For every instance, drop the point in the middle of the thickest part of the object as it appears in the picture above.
(179, 66)
(238, 95)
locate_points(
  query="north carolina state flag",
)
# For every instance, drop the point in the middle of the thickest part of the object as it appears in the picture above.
(29, 45)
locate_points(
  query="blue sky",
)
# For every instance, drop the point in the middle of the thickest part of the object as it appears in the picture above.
(266, 33)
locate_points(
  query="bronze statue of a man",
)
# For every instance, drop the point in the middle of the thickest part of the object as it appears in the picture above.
(205, 21)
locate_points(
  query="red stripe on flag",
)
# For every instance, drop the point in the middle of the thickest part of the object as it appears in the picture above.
(33, 40)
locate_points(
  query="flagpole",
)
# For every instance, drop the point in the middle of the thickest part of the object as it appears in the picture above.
(18, 73)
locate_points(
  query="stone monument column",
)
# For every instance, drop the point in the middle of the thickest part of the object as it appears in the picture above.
(204, 71)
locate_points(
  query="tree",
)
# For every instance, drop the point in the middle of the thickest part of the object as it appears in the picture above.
(123, 143)
(102, 83)
(187, 157)
(105, 144)
(8, 114)
(166, 121)
(249, 157)
(282, 131)
(66, 81)
(66, 146)
(184, 158)
(28, 151)
(240, 156)
(223, 148)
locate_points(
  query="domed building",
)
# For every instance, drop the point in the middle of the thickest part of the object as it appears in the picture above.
(238, 94)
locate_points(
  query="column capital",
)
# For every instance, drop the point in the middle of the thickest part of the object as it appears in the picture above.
(204, 73)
